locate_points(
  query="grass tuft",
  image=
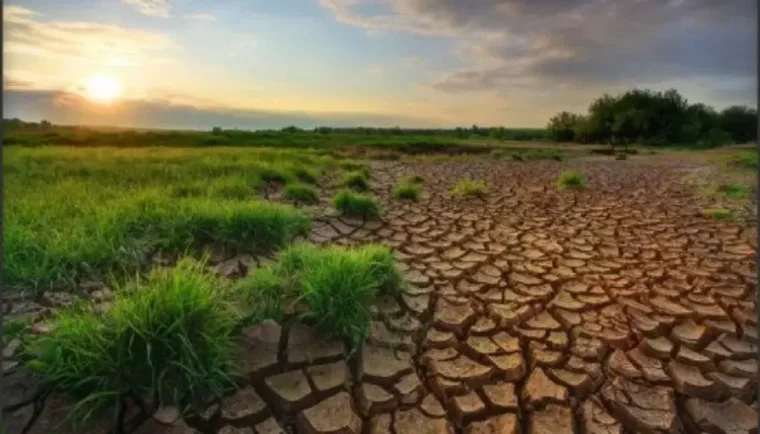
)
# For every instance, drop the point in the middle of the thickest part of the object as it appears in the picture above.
(469, 188)
(571, 179)
(169, 337)
(718, 213)
(337, 284)
(356, 180)
(305, 174)
(302, 193)
(733, 191)
(407, 191)
(356, 204)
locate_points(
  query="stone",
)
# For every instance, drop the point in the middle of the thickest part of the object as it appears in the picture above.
(462, 369)
(598, 421)
(327, 378)
(501, 424)
(729, 417)
(307, 346)
(380, 424)
(332, 415)
(290, 391)
(409, 388)
(501, 396)
(432, 407)
(689, 381)
(245, 403)
(383, 366)
(413, 421)
(552, 420)
(643, 408)
(464, 408)
(373, 399)
(259, 345)
(269, 426)
(540, 390)
(167, 415)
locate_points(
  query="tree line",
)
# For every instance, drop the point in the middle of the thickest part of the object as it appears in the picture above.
(654, 118)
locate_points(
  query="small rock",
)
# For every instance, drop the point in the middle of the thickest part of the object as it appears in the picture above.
(166, 415)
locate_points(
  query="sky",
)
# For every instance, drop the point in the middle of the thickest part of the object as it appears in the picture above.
(411, 63)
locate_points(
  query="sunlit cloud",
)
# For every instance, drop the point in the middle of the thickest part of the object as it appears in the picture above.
(155, 8)
(201, 18)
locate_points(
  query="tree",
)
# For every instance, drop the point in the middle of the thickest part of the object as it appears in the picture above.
(740, 122)
(561, 127)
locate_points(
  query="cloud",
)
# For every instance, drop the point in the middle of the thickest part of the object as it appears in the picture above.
(72, 109)
(519, 46)
(154, 8)
(27, 33)
(201, 18)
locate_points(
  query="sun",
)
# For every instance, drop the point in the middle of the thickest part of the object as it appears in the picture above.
(102, 88)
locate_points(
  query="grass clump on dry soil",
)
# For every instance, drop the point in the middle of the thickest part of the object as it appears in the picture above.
(718, 213)
(469, 188)
(79, 213)
(356, 180)
(336, 284)
(571, 179)
(169, 337)
(356, 204)
(301, 193)
(407, 191)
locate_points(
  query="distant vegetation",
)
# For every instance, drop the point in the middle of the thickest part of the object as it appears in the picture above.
(654, 118)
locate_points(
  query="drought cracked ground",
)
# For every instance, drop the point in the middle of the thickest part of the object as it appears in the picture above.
(616, 309)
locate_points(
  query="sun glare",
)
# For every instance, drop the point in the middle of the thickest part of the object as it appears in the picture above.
(102, 88)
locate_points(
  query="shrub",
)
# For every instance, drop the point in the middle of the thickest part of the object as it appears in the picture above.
(718, 213)
(301, 193)
(356, 180)
(356, 204)
(337, 284)
(407, 191)
(571, 179)
(170, 337)
(469, 188)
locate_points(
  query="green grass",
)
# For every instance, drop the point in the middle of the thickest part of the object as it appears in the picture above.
(407, 191)
(170, 336)
(357, 180)
(537, 154)
(73, 214)
(734, 191)
(571, 179)
(743, 160)
(469, 188)
(302, 193)
(718, 213)
(356, 204)
(337, 284)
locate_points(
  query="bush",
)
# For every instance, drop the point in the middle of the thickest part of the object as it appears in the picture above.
(469, 188)
(571, 179)
(356, 180)
(718, 213)
(337, 284)
(170, 337)
(356, 204)
(407, 191)
(301, 193)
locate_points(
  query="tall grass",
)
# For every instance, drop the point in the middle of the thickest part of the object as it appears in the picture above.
(356, 204)
(571, 179)
(166, 340)
(469, 188)
(71, 213)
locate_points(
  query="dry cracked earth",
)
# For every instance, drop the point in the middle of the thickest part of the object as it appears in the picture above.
(618, 309)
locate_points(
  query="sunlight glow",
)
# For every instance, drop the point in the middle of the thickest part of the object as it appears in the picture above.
(102, 88)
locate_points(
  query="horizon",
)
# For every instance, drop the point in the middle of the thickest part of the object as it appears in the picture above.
(178, 64)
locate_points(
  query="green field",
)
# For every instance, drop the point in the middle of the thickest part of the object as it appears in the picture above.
(79, 213)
